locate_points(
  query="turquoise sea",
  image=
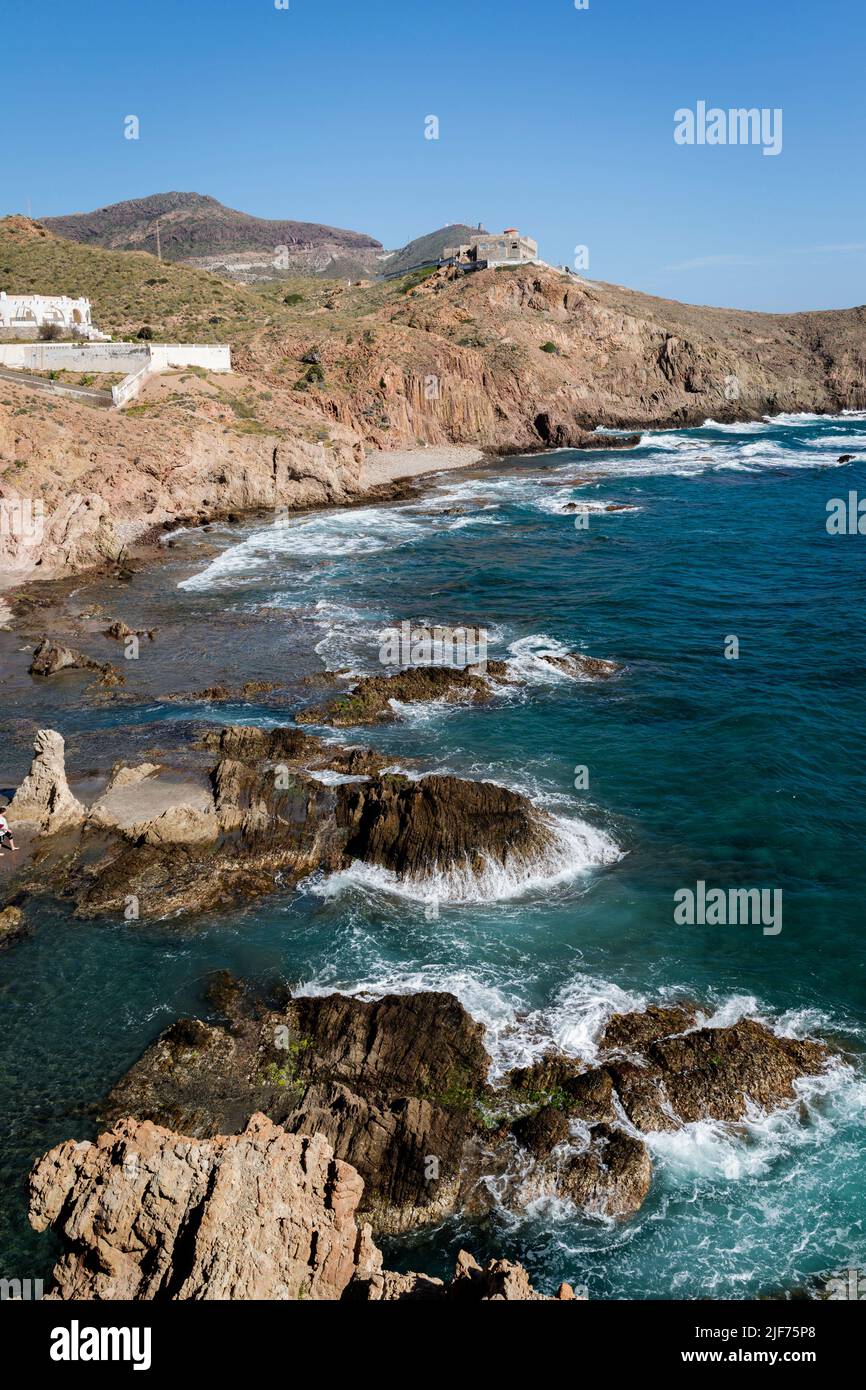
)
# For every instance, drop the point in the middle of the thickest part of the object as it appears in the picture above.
(740, 773)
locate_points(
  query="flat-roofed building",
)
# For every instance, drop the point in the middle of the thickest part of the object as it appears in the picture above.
(487, 250)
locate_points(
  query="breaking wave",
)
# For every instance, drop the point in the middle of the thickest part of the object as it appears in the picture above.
(576, 848)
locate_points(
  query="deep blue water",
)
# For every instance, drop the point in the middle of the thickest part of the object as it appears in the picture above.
(743, 773)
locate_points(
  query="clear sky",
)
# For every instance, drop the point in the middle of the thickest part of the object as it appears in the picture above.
(555, 120)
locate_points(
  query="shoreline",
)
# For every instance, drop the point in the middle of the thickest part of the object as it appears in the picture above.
(384, 476)
(384, 467)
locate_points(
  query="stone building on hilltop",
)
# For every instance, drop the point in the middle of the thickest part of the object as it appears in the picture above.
(486, 251)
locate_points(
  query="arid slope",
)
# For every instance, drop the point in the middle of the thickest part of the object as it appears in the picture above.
(511, 360)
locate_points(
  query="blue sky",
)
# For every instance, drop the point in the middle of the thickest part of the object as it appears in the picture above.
(556, 120)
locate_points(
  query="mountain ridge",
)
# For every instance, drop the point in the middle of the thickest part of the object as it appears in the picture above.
(196, 229)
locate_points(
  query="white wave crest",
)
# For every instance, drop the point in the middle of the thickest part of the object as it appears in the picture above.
(576, 848)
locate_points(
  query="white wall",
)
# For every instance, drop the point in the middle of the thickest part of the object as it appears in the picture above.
(214, 357)
(139, 361)
(74, 357)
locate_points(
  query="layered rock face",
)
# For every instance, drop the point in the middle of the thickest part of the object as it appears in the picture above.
(400, 1087)
(149, 1214)
(390, 1085)
(706, 1073)
(146, 1214)
(438, 823)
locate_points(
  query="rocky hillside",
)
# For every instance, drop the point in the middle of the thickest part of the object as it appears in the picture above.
(505, 360)
(426, 250)
(196, 228)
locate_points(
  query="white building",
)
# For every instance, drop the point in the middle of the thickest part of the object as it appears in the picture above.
(22, 315)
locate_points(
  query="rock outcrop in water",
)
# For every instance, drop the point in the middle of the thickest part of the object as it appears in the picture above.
(441, 824)
(389, 1084)
(400, 1088)
(147, 1214)
(52, 657)
(369, 700)
(673, 1073)
(263, 818)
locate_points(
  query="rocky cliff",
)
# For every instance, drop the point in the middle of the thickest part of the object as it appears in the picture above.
(144, 1213)
(506, 360)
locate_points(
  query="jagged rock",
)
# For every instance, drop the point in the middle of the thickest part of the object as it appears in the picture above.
(580, 1094)
(438, 823)
(44, 798)
(608, 1174)
(399, 1087)
(265, 813)
(12, 926)
(713, 1073)
(247, 744)
(632, 1032)
(145, 1213)
(542, 1130)
(582, 667)
(182, 825)
(390, 1084)
(123, 776)
(121, 632)
(51, 657)
(498, 1281)
(369, 701)
(612, 1177)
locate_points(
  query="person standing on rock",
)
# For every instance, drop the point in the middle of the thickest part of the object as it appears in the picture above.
(6, 834)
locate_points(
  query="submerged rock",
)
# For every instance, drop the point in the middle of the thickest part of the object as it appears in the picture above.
(582, 667)
(12, 926)
(369, 701)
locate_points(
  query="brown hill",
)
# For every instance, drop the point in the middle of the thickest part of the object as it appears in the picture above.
(194, 227)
